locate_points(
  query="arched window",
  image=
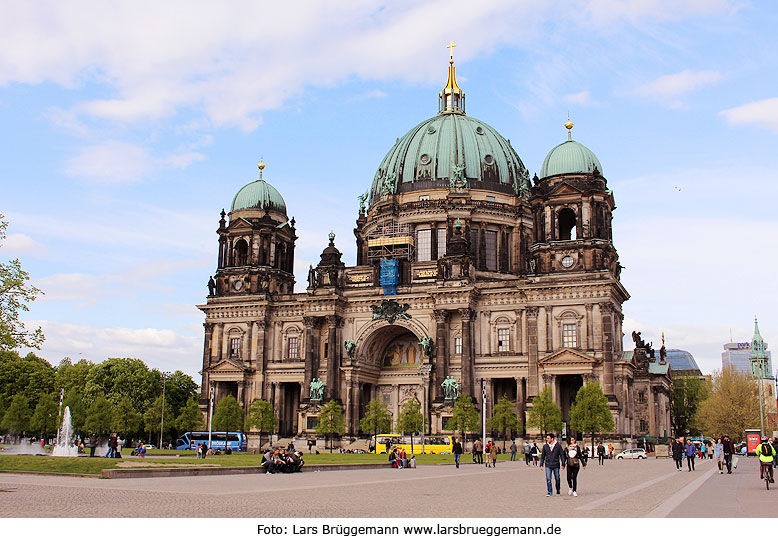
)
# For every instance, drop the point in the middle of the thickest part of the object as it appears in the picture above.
(567, 221)
(241, 253)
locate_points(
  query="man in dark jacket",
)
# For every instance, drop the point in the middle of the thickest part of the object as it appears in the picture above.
(552, 458)
(678, 453)
(456, 449)
(729, 449)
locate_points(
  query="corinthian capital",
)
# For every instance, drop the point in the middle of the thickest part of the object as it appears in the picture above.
(466, 314)
(441, 315)
(532, 312)
(309, 321)
(334, 321)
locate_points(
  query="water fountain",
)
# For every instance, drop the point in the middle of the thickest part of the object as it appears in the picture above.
(64, 446)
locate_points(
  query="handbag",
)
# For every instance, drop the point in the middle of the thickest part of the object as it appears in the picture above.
(734, 461)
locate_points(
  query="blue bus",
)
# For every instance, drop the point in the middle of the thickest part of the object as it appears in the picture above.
(237, 441)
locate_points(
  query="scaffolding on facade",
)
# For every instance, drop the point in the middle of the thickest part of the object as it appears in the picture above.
(391, 241)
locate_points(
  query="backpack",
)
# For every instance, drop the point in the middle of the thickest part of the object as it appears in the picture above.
(573, 461)
(767, 449)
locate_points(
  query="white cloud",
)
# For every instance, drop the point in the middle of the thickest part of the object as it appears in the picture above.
(761, 113)
(668, 89)
(165, 349)
(583, 98)
(235, 60)
(19, 242)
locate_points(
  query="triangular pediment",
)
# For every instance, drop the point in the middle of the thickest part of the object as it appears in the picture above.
(567, 356)
(227, 366)
(563, 189)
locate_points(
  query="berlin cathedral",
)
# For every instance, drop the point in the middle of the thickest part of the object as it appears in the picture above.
(467, 270)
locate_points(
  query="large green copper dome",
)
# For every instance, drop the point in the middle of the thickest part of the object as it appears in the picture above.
(259, 195)
(427, 155)
(569, 157)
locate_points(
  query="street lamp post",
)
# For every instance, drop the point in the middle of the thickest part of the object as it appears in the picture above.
(162, 418)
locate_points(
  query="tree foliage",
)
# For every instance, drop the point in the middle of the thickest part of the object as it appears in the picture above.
(15, 293)
(29, 375)
(126, 420)
(152, 418)
(686, 395)
(377, 418)
(732, 406)
(190, 418)
(99, 419)
(228, 415)
(331, 420)
(261, 417)
(17, 416)
(504, 419)
(464, 417)
(545, 413)
(44, 419)
(590, 412)
(411, 420)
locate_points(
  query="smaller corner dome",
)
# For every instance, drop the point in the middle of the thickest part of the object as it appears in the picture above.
(569, 157)
(259, 194)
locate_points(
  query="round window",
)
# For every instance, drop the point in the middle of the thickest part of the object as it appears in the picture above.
(479, 131)
(424, 159)
(567, 262)
(431, 130)
(488, 160)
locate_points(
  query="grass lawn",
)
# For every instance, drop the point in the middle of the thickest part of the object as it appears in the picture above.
(94, 465)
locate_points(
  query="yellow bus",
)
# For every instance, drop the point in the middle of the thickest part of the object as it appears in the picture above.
(432, 444)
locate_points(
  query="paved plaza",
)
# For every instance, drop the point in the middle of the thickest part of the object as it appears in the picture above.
(628, 488)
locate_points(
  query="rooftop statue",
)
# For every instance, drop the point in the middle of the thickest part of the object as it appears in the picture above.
(426, 344)
(458, 179)
(351, 348)
(390, 310)
(362, 200)
(317, 389)
(450, 388)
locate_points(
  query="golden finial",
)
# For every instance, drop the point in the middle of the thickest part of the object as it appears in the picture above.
(569, 125)
(261, 166)
(450, 48)
(663, 338)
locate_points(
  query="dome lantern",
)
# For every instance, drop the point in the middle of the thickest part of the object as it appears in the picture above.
(451, 99)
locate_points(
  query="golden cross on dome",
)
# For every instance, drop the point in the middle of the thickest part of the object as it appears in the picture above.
(450, 48)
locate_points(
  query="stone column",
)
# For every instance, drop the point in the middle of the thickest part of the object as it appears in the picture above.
(532, 351)
(467, 352)
(276, 399)
(606, 312)
(548, 382)
(241, 391)
(308, 322)
(207, 331)
(349, 410)
(589, 335)
(441, 355)
(396, 406)
(549, 331)
(517, 335)
(333, 359)
(221, 344)
(485, 328)
(249, 346)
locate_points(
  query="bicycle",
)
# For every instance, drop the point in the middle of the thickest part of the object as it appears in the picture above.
(766, 472)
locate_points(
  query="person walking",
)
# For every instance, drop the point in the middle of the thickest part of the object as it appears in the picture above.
(718, 453)
(456, 449)
(584, 456)
(513, 450)
(535, 454)
(678, 453)
(729, 449)
(479, 452)
(691, 451)
(527, 452)
(92, 445)
(574, 460)
(552, 459)
(492, 455)
(601, 453)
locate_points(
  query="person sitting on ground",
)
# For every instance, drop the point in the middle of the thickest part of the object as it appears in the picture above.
(268, 463)
(141, 451)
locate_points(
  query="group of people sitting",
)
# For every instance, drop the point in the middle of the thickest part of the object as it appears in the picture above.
(279, 460)
(399, 460)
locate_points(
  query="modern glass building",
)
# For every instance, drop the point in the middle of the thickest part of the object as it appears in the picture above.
(682, 363)
(736, 355)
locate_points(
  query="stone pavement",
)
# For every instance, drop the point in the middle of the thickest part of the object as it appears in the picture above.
(620, 488)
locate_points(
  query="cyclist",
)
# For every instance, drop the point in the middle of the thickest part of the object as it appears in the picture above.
(766, 453)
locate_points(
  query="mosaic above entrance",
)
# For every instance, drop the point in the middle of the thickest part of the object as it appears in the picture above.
(402, 352)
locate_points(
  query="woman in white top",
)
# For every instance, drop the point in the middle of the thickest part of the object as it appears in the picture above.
(573, 460)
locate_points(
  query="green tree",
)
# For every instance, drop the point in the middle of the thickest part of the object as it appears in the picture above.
(44, 419)
(78, 410)
(377, 419)
(126, 420)
(124, 377)
(686, 395)
(331, 421)
(504, 419)
(190, 418)
(17, 416)
(179, 389)
(732, 406)
(99, 419)
(15, 293)
(464, 418)
(411, 420)
(152, 418)
(261, 417)
(544, 413)
(228, 415)
(590, 412)
(72, 376)
(29, 375)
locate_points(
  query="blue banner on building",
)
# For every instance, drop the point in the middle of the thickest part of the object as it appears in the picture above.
(389, 272)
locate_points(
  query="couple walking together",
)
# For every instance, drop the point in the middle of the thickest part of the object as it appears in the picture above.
(553, 457)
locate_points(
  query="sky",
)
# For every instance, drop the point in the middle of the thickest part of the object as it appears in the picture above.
(126, 127)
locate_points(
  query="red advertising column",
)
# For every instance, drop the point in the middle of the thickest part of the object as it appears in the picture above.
(753, 438)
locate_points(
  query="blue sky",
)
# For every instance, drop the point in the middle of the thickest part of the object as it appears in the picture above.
(127, 127)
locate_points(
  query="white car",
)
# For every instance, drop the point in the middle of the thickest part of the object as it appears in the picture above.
(634, 453)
